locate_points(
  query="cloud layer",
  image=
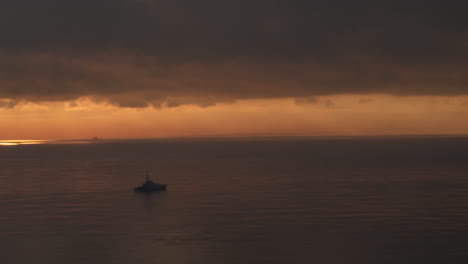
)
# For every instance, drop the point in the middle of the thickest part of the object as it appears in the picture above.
(136, 53)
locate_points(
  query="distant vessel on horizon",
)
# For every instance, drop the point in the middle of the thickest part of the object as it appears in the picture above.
(150, 186)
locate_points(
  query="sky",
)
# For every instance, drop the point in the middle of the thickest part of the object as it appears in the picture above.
(186, 68)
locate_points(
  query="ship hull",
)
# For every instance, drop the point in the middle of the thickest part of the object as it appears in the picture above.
(159, 188)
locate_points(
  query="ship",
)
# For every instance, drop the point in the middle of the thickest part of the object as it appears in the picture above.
(148, 186)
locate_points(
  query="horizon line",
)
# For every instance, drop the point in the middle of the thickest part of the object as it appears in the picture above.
(222, 137)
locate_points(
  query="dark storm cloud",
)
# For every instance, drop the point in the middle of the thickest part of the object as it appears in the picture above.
(141, 52)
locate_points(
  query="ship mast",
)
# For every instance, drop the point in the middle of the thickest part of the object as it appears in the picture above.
(147, 175)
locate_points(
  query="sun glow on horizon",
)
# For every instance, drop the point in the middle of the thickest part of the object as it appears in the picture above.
(16, 142)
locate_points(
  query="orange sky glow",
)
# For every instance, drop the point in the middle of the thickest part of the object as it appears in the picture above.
(318, 116)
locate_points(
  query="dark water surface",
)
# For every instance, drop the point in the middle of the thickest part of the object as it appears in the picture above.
(336, 200)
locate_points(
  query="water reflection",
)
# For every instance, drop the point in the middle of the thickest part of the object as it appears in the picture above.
(152, 202)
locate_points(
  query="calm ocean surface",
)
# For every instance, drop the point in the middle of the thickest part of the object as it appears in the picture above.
(322, 200)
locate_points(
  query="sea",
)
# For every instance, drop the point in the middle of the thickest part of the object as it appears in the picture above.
(236, 200)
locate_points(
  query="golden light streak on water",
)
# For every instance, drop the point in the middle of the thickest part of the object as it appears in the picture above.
(22, 142)
(16, 142)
